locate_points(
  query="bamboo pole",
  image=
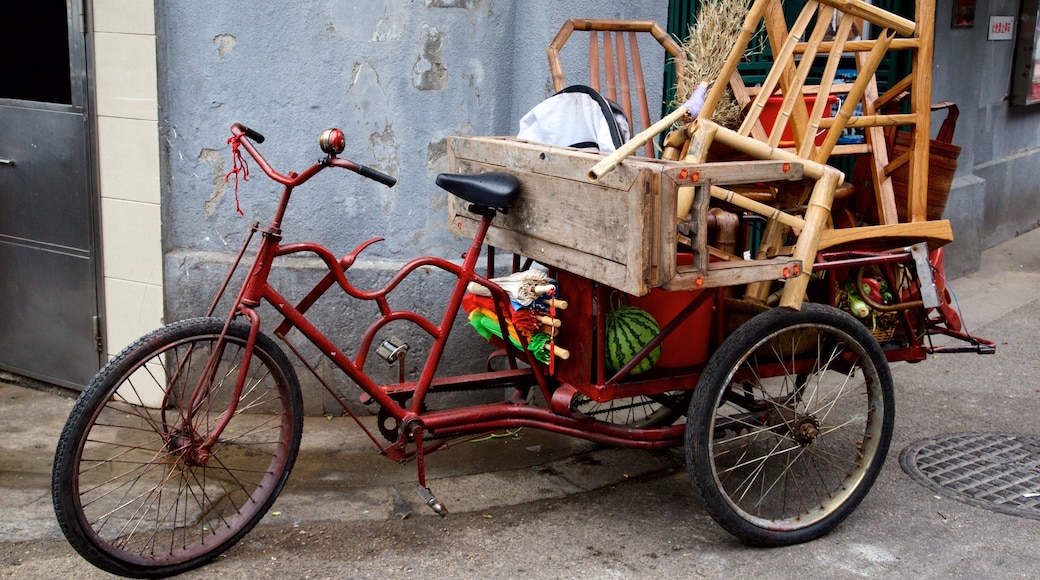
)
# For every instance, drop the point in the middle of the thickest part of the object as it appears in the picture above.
(747, 31)
(855, 95)
(921, 101)
(882, 17)
(808, 242)
(632, 145)
(760, 150)
(830, 69)
(793, 90)
(783, 57)
(762, 209)
(711, 100)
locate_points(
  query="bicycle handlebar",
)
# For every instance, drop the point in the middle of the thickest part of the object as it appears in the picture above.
(255, 136)
(295, 179)
(376, 175)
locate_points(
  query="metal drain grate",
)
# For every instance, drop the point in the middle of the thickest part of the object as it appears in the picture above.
(994, 471)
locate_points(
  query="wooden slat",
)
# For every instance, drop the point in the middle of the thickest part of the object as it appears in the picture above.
(936, 233)
(921, 100)
(884, 196)
(609, 89)
(733, 273)
(640, 90)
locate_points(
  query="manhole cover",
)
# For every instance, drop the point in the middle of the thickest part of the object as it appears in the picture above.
(995, 471)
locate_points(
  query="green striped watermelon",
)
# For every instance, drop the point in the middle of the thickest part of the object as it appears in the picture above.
(629, 329)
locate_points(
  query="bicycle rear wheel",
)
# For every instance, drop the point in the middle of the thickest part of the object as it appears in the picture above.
(790, 424)
(131, 490)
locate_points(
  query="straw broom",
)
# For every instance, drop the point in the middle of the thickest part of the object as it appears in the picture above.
(704, 51)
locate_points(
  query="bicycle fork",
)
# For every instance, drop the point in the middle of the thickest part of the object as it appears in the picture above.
(244, 305)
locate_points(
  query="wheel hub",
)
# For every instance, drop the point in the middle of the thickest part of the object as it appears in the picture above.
(806, 430)
(188, 447)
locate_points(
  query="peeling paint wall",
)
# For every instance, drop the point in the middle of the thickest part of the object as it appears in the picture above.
(397, 76)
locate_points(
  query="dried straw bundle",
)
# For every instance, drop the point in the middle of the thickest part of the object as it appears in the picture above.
(705, 49)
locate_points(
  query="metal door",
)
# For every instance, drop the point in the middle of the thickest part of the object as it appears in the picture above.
(49, 323)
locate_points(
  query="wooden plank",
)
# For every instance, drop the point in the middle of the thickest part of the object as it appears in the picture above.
(610, 231)
(551, 160)
(594, 221)
(937, 233)
(612, 274)
(884, 195)
(732, 273)
(733, 172)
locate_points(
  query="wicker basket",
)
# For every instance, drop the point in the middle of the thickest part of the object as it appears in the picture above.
(942, 166)
(883, 326)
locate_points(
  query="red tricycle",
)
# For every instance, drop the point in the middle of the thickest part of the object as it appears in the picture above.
(183, 441)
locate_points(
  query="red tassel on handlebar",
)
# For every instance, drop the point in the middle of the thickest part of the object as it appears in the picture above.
(238, 165)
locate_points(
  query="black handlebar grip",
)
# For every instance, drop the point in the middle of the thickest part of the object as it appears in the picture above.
(376, 176)
(253, 135)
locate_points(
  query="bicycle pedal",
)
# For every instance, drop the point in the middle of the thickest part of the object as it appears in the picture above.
(427, 497)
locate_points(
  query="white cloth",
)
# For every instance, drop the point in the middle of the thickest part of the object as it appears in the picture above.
(569, 119)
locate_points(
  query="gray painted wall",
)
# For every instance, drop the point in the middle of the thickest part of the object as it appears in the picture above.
(398, 76)
(995, 196)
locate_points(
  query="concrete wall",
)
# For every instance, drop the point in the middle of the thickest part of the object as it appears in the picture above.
(398, 76)
(996, 195)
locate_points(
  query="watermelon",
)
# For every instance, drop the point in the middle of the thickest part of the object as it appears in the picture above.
(629, 329)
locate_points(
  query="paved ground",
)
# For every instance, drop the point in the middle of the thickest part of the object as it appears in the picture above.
(540, 506)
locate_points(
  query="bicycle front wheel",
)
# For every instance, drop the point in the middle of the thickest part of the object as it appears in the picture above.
(135, 491)
(790, 424)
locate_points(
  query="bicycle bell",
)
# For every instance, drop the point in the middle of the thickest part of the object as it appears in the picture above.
(332, 141)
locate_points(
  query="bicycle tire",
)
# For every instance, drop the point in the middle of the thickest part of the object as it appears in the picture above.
(790, 424)
(129, 493)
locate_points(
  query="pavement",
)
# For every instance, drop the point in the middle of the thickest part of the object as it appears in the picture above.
(340, 478)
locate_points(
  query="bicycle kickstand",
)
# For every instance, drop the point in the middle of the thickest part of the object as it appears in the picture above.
(420, 488)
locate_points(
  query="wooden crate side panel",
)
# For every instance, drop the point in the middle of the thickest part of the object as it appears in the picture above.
(572, 214)
(562, 162)
(613, 274)
(596, 230)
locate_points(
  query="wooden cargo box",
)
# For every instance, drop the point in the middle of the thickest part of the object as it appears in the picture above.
(619, 230)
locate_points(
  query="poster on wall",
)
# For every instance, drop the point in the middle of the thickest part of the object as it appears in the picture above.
(963, 13)
(1025, 80)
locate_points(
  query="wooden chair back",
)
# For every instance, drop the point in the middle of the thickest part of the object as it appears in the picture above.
(615, 64)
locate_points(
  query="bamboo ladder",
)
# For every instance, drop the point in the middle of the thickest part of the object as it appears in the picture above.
(788, 76)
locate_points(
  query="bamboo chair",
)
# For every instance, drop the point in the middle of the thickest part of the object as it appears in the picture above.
(788, 77)
(615, 64)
